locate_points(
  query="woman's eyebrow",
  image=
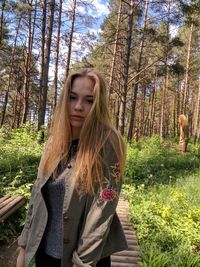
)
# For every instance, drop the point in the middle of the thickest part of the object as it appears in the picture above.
(89, 96)
(71, 92)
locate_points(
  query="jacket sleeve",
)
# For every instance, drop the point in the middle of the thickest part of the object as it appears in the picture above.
(100, 215)
(22, 239)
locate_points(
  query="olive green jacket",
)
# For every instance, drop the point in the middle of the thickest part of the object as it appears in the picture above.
(91, 226)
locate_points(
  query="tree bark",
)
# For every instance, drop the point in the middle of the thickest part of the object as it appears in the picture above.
(10, 74)
(153, 101)
(196, 117)
(45, 67)
(186, 82)
(110, 87)
(139, 66)
(163, 115)
(126, 69)
(142, 110)
(57, 54)
(27, 67)
(2, 21)
(163, 106)
(71, 38)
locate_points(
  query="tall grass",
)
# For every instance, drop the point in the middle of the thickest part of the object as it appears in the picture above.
(163, 190)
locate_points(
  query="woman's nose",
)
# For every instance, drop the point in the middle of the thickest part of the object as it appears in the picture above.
(79, 105)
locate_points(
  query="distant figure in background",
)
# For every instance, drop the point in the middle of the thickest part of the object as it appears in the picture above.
(136, 135)
(184, 133)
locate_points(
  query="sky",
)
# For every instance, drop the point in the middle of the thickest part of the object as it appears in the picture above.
(101, 11)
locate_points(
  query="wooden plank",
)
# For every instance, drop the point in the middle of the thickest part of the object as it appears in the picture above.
(11, 207)
(125, 259)
(7, 201)
(130, 236)
(127, 253)
(131, 256)
(10, 204)
(119, 264)
(4, 198)
(128, 231)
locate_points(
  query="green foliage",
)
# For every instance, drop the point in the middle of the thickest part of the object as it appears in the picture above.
(163, 190)
(19, 159)
(149, 162)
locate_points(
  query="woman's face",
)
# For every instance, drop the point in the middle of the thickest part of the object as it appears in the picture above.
(80, 101)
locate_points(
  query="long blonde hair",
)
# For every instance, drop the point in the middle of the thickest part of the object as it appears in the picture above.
(96, 131)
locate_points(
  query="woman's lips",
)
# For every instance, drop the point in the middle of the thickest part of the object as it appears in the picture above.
(77, 118)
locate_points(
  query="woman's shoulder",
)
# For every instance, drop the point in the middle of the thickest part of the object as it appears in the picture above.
(114, 141)
(114, 145)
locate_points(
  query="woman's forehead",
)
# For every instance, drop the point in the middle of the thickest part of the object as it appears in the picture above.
(83, 85)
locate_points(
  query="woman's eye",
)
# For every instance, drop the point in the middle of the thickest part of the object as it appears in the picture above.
(90, 101)
(72, 97)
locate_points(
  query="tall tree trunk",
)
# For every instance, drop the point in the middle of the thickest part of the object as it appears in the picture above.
(44, 88)
(15, 105)
(5, 104)
(27, 67)
(10, 74)
(43, 35)
(117, 108)
(71, 38)
(110, 87)
(153, 101)
(163, 106)
(186, 81)
(163, 115)
(178, 104)
(2, 21)
(20, 110)
(174, 113)
(57, 55)
(142, 110)
(126, 69)
(139, 66)
(196, 117)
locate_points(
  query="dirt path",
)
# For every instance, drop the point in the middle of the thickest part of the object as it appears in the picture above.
(8, 253)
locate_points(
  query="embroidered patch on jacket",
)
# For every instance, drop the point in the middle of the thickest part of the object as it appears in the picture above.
(109, 193)
(116, 171)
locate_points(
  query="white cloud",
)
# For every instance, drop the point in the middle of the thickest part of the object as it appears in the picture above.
(101, 8)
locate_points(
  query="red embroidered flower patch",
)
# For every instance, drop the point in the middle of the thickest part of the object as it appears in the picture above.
(107, 194)
(116, 171)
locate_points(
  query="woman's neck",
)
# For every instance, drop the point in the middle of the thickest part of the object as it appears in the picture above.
(76, 132)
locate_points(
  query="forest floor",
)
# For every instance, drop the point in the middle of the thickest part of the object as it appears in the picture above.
(8, 253)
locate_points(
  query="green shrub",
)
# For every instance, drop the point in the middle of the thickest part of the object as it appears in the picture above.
(149, 162)
(19, 158)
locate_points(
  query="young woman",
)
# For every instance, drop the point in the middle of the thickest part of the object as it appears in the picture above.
(71, 221)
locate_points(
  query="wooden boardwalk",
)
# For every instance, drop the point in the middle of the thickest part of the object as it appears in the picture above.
(129, 257)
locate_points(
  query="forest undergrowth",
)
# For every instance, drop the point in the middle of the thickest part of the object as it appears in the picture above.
(161, 185)
(163, 190)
